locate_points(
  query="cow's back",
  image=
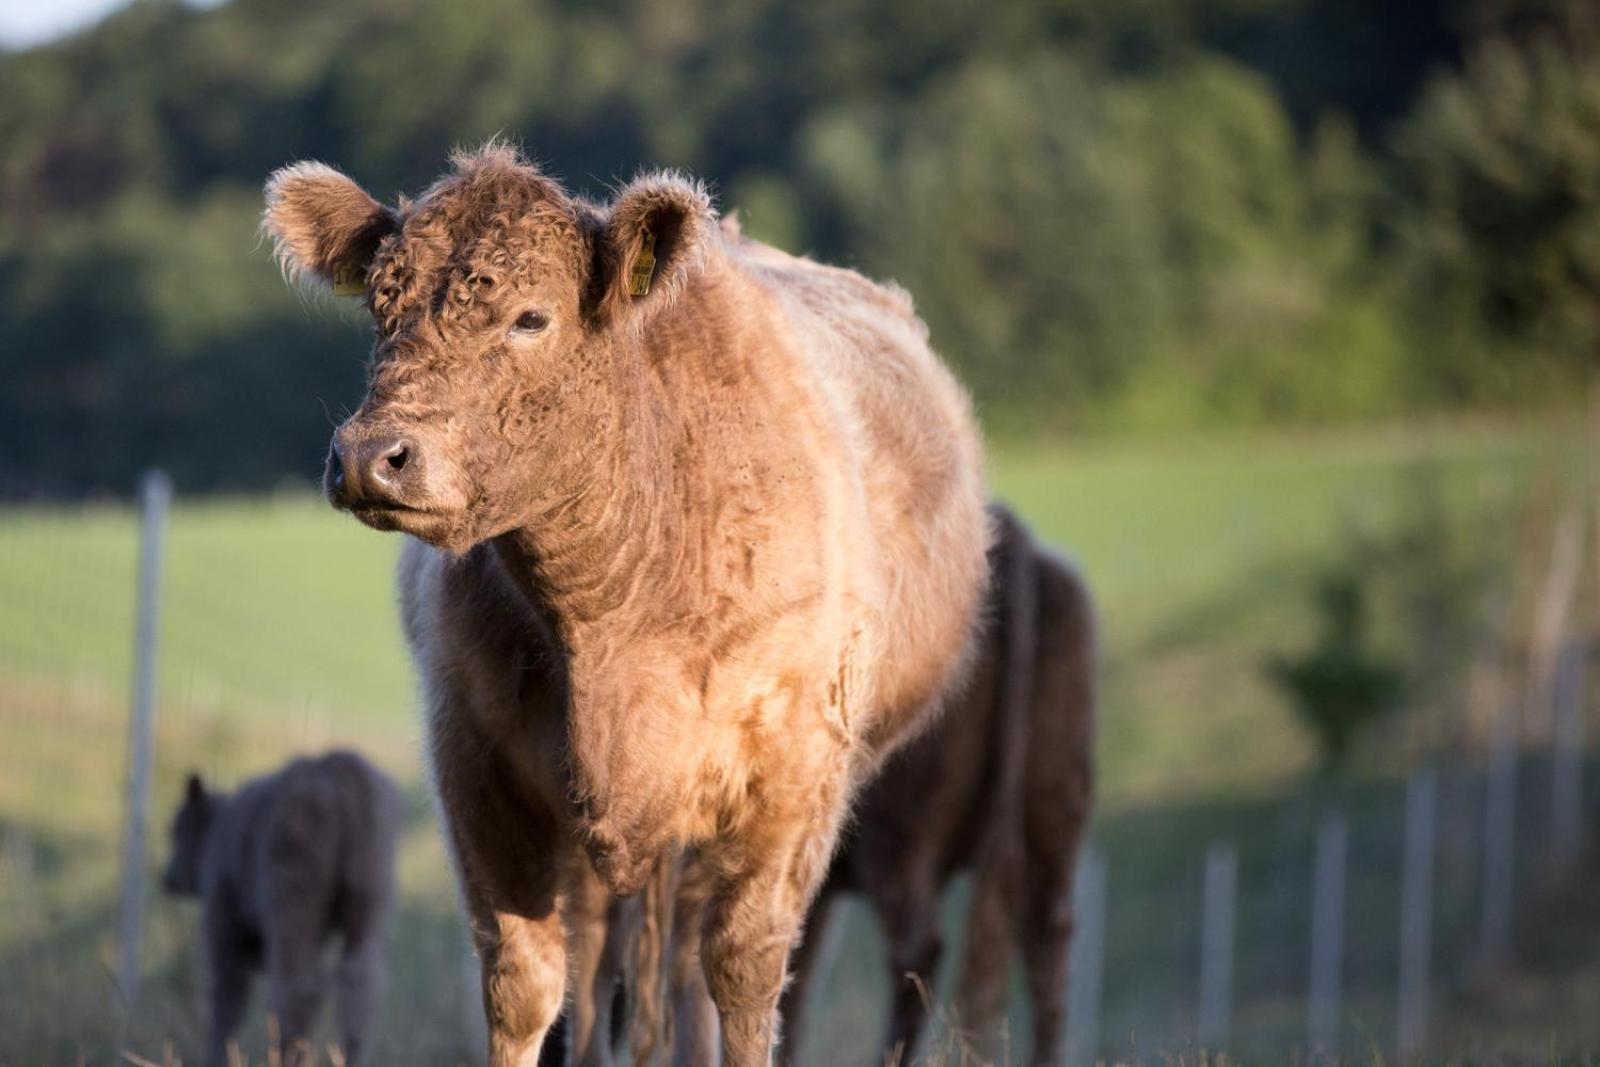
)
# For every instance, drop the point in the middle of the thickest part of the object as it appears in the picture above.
(909, 426)
(368, 813)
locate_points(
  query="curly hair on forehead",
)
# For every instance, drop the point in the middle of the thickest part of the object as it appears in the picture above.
(493, 224)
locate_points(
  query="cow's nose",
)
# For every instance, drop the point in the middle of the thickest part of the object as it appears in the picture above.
(371, 470)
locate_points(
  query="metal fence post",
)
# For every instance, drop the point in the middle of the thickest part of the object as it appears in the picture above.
(474, 1024)
(18, 862)
(1216, 945)
(155, 495)
(1087, 961)
(1499, 842)
(1327, 940)
(1416, 912)
(1566, 778)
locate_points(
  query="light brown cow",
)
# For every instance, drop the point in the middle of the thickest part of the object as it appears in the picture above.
(999, 787)
(699, 539)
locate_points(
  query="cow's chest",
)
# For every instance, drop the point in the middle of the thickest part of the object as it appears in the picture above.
(667, 747)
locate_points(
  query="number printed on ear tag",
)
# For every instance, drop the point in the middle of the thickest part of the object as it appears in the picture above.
(644, 268)
(349, 280)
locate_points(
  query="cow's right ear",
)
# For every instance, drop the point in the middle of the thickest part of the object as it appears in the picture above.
(324, 225)
(195, 790)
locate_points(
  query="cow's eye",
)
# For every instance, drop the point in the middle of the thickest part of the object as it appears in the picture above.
(530, 322)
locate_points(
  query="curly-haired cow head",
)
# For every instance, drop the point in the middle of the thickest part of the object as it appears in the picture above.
(506, 321)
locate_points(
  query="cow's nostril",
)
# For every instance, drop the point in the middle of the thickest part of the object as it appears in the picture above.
(333, 474)
(390, 462)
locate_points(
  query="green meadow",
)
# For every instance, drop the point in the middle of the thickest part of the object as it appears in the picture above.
(279, 634)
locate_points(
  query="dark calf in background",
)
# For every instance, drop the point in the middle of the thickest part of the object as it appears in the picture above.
(282, 866)
(1001, 787)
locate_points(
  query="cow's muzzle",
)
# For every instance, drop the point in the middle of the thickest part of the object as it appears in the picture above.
(372, 471)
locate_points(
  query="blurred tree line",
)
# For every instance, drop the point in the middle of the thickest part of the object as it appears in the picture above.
(1115, 214)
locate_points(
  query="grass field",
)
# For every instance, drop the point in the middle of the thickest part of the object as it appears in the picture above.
(279, 635)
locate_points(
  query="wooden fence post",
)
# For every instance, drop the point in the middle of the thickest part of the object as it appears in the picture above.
(1551, 615)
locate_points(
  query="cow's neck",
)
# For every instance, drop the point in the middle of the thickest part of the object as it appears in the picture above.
(606, 537)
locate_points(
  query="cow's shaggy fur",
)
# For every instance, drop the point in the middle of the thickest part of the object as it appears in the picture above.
(1000, 787)
(691, 557)
(282, 866)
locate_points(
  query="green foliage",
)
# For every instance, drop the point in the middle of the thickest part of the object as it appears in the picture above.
(1340, 685)
(1019, 235)
(1121, 216)
(1503, 231)
(1401, 611)
(1155, 252)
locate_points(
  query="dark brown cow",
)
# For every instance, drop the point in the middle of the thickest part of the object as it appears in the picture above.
(1000, 787)
(699, 538)
(286, 864)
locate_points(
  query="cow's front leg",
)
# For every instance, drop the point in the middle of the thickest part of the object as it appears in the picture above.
(694, 1016)
(524, 965)
(230, 993)
(513, 858)
(601, 929)
(754, 919)
(745, 952)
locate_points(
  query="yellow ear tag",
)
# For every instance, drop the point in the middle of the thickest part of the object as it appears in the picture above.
(644, 268)
(349, 280)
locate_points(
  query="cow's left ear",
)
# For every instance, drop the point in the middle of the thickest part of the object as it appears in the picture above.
(652, 242)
